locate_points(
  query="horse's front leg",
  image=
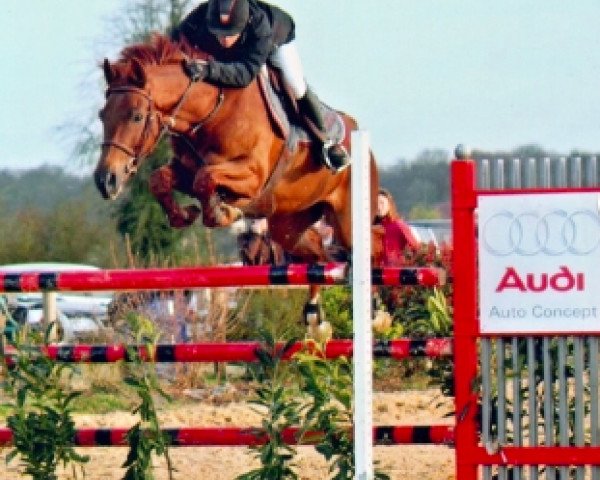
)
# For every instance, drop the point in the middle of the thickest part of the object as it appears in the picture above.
(237, 179)
(162, 183)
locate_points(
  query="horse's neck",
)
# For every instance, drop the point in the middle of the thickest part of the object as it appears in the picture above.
(243, 114)
(174, 95)
(246, 104)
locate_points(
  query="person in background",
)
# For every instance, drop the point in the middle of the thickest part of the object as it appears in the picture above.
(396, 233)
(334, 251)
(256, 246)
(244, 35)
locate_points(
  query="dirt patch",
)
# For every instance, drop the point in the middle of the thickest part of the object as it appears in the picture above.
(401, 462)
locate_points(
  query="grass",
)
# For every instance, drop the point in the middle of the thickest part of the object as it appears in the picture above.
(102, 389)
(394, 376)
(102, 402)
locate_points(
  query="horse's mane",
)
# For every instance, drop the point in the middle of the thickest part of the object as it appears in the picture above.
(159, 50)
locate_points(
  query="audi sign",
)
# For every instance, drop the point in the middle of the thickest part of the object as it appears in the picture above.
(538, 262)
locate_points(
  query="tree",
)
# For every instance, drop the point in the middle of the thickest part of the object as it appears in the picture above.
(424, 181)
(138, 215)
(141, 219)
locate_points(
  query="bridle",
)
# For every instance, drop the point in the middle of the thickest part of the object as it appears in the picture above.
(166, 124)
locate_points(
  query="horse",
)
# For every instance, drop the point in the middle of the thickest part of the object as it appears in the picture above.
(229, 154)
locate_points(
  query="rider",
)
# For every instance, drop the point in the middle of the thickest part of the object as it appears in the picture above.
(241, 36)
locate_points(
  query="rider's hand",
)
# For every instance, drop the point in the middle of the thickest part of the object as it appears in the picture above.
(196, 69)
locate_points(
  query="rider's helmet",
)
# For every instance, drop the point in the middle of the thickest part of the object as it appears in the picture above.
(227, 17)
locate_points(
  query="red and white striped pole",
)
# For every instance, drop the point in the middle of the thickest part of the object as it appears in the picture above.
(206, 277)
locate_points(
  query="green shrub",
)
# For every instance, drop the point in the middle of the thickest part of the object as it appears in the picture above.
(41, 408)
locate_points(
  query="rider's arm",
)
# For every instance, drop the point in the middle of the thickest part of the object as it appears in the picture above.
(258, 45)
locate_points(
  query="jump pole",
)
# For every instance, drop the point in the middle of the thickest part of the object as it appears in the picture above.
(361, 305)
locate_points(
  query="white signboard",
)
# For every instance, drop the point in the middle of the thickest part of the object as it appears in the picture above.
(539, 263)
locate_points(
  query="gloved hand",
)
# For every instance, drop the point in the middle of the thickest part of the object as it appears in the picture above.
(196, 69)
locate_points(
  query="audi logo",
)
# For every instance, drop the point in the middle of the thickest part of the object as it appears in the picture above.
(554, 233)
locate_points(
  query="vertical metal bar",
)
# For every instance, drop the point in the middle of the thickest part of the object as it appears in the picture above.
(515, 173)
(563, 405)
(50, 314)
(498, 171)
(466, 325)
(532, 410)
(486, 398)
(594, 424)
(485, 177)
(529, 176)
(575, 172)
(591, 172)
(579, 415)
(561, 172)
(545, 180)
(516, 394)
(501, 407)
(548, 403)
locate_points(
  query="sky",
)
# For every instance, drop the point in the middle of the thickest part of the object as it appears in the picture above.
(416, 74)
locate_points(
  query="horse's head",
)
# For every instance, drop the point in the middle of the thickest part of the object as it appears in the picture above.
(146, 88)
(131, 126)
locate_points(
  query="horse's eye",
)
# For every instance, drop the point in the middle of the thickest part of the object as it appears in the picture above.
(137, 117)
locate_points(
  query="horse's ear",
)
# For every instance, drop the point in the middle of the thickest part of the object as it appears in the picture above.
(109, 73)
(138, 74)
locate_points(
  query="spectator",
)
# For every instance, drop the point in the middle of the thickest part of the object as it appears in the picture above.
(256, 246)
(396, 233)
(334, 251)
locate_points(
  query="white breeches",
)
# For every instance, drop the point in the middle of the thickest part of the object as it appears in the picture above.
(287, 59)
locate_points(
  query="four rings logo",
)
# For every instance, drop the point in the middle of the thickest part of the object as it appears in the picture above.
(554, 233)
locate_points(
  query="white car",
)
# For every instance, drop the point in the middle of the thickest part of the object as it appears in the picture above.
(79, 315)
(71, 327)
(435, 231)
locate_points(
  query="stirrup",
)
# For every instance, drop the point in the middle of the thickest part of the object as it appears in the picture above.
(335, 157)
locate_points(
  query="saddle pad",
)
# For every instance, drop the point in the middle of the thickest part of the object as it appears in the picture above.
(292, 132)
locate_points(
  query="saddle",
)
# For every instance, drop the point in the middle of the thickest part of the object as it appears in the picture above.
(283, 112)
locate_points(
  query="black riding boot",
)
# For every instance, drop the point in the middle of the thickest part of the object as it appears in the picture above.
(334, 155)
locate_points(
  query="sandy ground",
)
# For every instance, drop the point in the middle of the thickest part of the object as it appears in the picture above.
(225, 463)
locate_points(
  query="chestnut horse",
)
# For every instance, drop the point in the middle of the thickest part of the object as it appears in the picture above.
(229, 155)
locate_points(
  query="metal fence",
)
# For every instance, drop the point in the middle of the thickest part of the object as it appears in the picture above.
(539, 391)
(547, 172)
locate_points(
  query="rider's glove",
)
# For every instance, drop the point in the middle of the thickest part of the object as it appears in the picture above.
(197, 70)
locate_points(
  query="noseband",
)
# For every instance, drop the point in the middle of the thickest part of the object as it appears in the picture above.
(136, 153)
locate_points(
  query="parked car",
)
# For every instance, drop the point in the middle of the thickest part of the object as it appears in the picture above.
(71, 328)
(437, 231)
(79, 315)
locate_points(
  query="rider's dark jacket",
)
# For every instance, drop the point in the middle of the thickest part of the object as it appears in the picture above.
(268, 27)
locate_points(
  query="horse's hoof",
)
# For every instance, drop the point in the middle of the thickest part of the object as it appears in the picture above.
(192, 212)
(312, 314)
(325, 332)
(178, 221)
(382, 321)
(236, 214)
(186, 218)
(321, 333)
(229, 214)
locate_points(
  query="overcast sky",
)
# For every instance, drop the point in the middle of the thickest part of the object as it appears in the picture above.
(417, 74)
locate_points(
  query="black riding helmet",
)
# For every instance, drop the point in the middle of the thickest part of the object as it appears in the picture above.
(227, 17)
